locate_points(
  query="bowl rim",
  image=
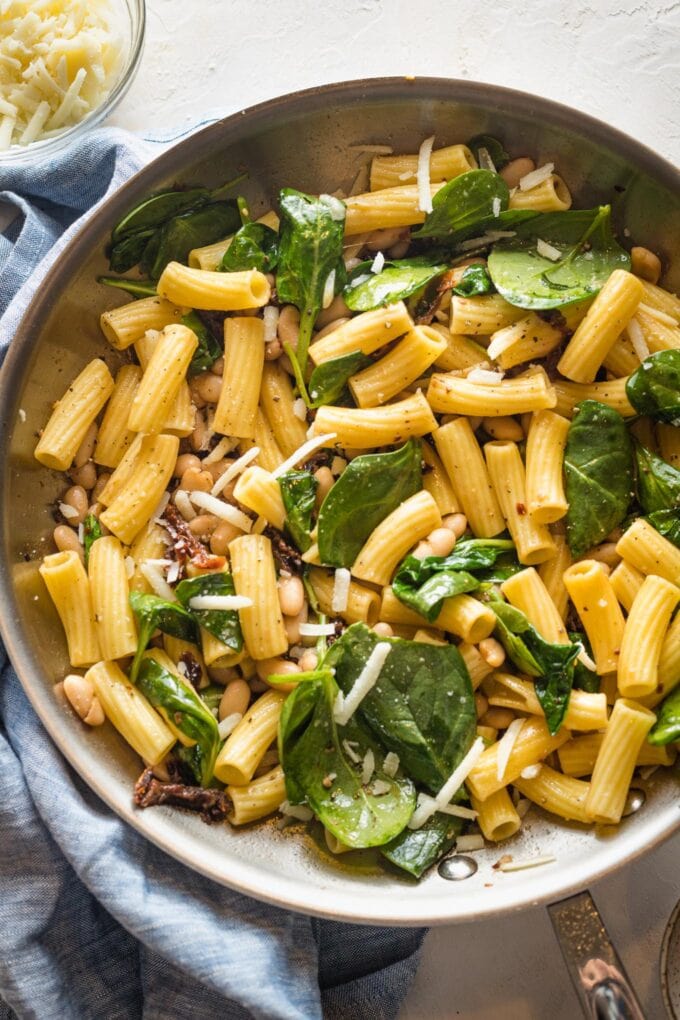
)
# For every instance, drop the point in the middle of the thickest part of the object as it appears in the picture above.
(287, 893)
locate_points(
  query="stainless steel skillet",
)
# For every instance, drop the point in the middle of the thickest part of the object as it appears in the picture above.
(306, 140)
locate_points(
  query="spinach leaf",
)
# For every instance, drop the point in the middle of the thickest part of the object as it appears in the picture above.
(552, 665)
(368, 490)
(424, 584)
(298, 491)
(92, 530)
(654, 389)
(328, 381)
(465, 203)
(588, 256)
(184, 709)
(319, 772)
(255, 246)
(497, 153)
(397, 281)
(208, 350)
(475, 280)
(658, 482)
(416, 850)
(667, 523)
(136, 288)
(666, 729)
(128, 252)
(584, 678)
(176, 238)
(598, 467)
(153, 211)
(221, 623)
(154, 613)
(422, 706)
(310, 249)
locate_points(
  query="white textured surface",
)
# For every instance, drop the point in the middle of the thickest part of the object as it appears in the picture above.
(618, 61)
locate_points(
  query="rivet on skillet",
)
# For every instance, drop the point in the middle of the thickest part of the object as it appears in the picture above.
(457, 868)
(634, 801)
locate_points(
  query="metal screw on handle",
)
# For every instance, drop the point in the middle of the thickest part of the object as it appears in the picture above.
(596, 971)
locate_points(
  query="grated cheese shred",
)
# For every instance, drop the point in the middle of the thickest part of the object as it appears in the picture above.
(505, 746)
(423, 175)
(346, 704)
(427, 806)
(341, 585)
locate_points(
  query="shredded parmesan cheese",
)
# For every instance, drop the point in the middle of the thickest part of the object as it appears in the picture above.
(531, 771)
(486, 162)
(270, 315)
(496, 206)
(300, 409)
(233, 470)
(341, 585)
(536, 177)
(379, 787)
(183, 504)
(484, 377)
(547, 251)
(299, 811)
(637, 338)
(391, 764)
(59, 62)
(154, 576)
(316, 629)
(368, 767)
(378, 263)
(427, 806)
(228, 724)
(328, 290)
(224, 447)
(484, 239)
(346, 705)
(505, 746)
(224, 511)
(528, 862)
(349, 746)
(472, 842)
(423, 175)
(220, 602)
(303, 453)
(69, 512)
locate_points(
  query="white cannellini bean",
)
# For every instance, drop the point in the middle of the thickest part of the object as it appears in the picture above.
(80, 693)
(291, 596)
(441, 541)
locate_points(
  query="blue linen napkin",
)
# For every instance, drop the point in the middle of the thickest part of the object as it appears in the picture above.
(95, 922)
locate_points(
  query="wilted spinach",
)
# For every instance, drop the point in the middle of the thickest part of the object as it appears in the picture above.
(667, 523)
(475, 281)
(416, 850)
(255, 246)
(584, 678)
(666, 729)
(654, 389)
(497, 153)
(154, 613)
(368, 490)
(658, 482)
(588, 256)
(310, 249)
(221, 623)
(186, 711)
(208, 350)
(328, 381)
(422, 706)
(552, 665)
(397, 281)
(598, 467)
(424, 584)
(467, 203)
(319, 772)
(92, 530)
(136, 288)
(298, 491)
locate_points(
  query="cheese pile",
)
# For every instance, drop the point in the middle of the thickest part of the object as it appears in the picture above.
(59, 60)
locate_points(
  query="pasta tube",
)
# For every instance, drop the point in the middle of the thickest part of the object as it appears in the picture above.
(506, 470)
(254, 574)
(66, 581)
(73, 415)
(114, 619)
(395, 371)
(363, 604)
(236, 411)
(496, 816)
(597, 606)
(277, 402)
(114, 437)
(612, 393)
(551, 195)
(532, 745)
(445, 164)
(245, 746)
(643, 636)
(560, 795)
(166, 370)
(366, 333)
(551, 573)
(270, 455)
(129, 711)
(387, 545)
(626, 582)
(126, 324)
(628, 727)
(131, 509)
(524, 340)
(461, 615)
(481, 316)
(259, 491)
(258, 799)
(389, 207)
(436, 482)
(547, 438)
(467, 473)
(223, 292)
(375, 426)
(644, 548)
(451, 394)
(527, 592)
(578, 756)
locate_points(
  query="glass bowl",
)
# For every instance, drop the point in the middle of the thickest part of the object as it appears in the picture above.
(131, 20)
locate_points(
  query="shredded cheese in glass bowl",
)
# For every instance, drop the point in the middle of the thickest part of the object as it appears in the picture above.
(64, 66)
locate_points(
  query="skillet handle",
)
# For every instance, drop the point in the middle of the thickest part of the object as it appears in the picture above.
(596, 971)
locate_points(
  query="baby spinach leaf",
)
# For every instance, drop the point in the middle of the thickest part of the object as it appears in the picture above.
(221, 623)
(667, 523)
(176, 238)
(598, 467)
(154, 613)
(421, 707)
(255, 246)
(654, 389)
(319, 772)
(328, 381)
(136, 288)
(129, 251)
(658, 482)
(298, 491)
(424, 584)
(497, 153)
(466, 202)
(310, 249)
(552, 665)
(588, 256)
(92, 530)
(368, 490)
(153, 211)
(416, 850)
(184, 709)
(474, 281)
(208, 350)
(666, 729)
(584, 678)
(397, 281)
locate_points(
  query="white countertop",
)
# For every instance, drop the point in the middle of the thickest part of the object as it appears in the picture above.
(207, 58)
